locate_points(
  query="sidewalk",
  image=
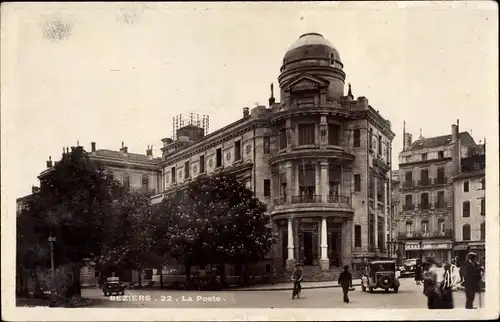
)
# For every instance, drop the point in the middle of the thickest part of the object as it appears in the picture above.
(289, 286)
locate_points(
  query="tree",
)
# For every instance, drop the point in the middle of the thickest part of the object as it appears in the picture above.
(74, 205)
(222, 222)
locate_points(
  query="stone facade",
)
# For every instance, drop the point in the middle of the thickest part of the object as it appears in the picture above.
(319, 159)
(426, 170)
(470, 207)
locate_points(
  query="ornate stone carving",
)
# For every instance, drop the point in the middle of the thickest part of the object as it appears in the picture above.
(289, 135)
(228, 156)
(210, 163)
(248, 148)
(323, 129)
(195, 169)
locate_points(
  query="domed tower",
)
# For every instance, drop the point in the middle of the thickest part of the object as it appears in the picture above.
(312, 58)
(311, 158)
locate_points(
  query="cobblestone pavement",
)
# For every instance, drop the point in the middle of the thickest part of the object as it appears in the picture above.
(409, 296)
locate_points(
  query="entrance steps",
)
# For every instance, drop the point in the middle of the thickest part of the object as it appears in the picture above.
(313, 274)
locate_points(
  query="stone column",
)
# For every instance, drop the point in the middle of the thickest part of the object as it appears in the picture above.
(289, 182)
(323, 132)
(290, 261)
(347, 227)
(318, 179)
(375, 205)
(324, 180)
(324, 262)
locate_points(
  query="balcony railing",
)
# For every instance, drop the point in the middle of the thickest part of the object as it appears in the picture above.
(306, 199)
(447, 233)
(408, 184)
(439, 181)
(279, 201)
(440, 205)
(424, 206)
(340, 200)
(424, 182)
(409, 207)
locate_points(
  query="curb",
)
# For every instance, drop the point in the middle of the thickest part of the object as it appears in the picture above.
(284, 288)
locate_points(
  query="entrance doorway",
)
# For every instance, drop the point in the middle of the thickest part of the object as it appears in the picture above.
(334, 248)
(308, 248)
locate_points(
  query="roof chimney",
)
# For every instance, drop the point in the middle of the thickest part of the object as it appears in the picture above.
(454, 132)
(246, 112)
(271, 98)
(407, 140)
(34, 189)
(49, 162)
(124, 149)
(149, 152)
(93, 146)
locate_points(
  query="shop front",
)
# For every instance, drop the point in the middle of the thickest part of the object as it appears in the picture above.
(441, 251)
(461, 249)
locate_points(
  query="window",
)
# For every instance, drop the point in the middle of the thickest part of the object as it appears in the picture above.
(267, 188)
(424, 156)
(466, 232)
(483, 207)
(357, 138)
(306, 134)
(371, 233)
(466, 209)
(237, 150)
(440, 200)
(126, 180)
(218, 158)
(483, 230)
(379, 144)
(333, 134)
(357, 236)
(186, 170)
(424, 201)
(145, 184)
(408, 202)
(267, 144)
(370, 138)
(466, 186)
(425, 226)
(357, 183)
(408, 178)
(440, 154)
(441, 225)
(424, 177)
(172, 174)
(440, 176)
(202, 163)
(408, 159)
(283, 140)
(409, 228)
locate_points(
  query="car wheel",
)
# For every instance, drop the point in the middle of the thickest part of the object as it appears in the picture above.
(370, 289)
(395, 290)
(363, 288)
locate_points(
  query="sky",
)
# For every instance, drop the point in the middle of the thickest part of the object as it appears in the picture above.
(119, 72)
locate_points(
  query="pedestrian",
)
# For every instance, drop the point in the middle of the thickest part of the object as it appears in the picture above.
(418, 271)
(472, 276)
(431, 287)
(297, 278)
(446, 289)
(345, 280)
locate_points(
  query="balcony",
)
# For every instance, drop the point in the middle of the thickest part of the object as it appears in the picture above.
(341, 201)
(408, 184)
(440, 205)
(424, 183)
(447, 233)
(439, 181)
(424, 206)
(409, 207)
(306, 199)
(280, 201)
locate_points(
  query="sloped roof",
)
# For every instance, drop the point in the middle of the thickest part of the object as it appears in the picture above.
(123, 156)
(437, 141)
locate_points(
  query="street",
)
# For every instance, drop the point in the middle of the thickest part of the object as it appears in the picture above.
(409, 296)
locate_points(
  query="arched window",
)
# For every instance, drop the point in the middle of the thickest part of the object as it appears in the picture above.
(466, 209)
(145, 184)
(466, 232)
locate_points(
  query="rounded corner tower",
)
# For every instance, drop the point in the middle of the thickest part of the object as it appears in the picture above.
(314, 57)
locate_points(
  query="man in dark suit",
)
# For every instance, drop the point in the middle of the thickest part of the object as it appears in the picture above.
(472, 275)
(345, 280)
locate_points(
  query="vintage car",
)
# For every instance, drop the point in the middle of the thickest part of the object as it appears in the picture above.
(409, 266)
(380, 274)
(113, 286)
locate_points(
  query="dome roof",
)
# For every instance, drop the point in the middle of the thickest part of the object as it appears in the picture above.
(311, 45)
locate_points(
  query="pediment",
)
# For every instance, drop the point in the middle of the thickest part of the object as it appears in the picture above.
(305, 81)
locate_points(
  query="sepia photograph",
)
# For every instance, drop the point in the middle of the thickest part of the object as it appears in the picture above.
(250, 161)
